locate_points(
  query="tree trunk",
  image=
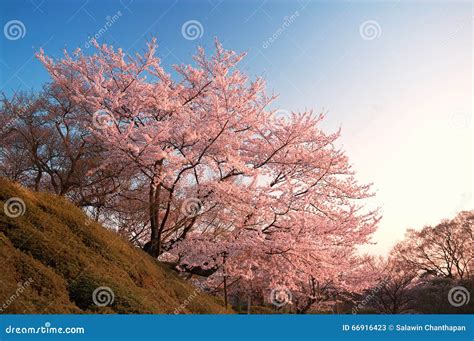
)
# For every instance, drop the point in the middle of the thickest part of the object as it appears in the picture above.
(225, 291)
(153, 247)
(225, 280)
(38, 177)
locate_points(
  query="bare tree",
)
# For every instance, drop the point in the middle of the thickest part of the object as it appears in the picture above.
(445, 250)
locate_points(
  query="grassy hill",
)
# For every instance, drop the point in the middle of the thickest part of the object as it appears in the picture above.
(53, 258)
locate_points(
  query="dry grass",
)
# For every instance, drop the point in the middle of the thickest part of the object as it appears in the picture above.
(67, 256)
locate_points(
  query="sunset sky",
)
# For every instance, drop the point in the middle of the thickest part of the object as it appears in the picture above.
(395, 76)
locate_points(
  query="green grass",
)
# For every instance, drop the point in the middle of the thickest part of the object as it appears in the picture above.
(67, 256)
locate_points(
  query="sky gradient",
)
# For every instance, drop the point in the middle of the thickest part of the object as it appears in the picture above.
(395, 76)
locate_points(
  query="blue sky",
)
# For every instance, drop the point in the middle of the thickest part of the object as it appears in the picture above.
(401, 90)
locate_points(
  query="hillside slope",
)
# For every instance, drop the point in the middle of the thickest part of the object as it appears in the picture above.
(53, 258)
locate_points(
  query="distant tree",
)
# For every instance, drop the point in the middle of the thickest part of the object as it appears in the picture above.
(44, 148)
(430, 296)
(392, 294)
(445, 250)
(420, 270)
(24, 136)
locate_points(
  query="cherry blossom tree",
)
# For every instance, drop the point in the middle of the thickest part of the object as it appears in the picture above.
(234, 191)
